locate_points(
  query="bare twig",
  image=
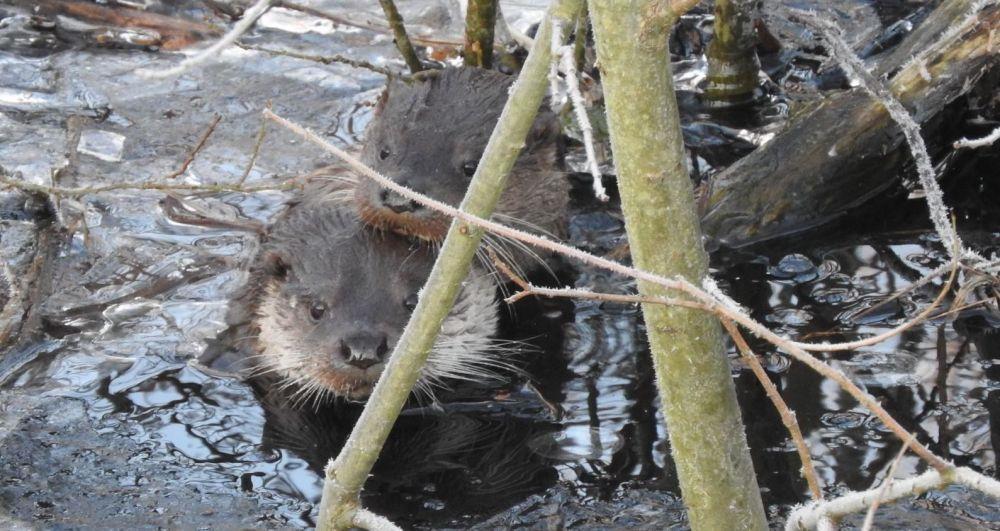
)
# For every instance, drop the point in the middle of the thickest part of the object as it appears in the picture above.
(324, 59)
(808, 516)
(256, 152)
(567, 62)
(940, 270)
(787, 415)
(370, 521)
(57, 191)
(870, 517)
(399, 36)
(250, 16)
(844, 55)
(197, 148)
(978, 142)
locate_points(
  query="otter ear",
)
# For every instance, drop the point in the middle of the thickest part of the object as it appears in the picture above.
(382, 98)
(275, 265)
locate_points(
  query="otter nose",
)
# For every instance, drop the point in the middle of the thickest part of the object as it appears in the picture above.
(398, 203)
(364, 350)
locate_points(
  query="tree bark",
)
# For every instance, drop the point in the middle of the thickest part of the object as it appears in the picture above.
(480, 21)
(707, 437)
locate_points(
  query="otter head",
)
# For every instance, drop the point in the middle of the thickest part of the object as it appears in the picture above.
(337, 297)
(429, 134)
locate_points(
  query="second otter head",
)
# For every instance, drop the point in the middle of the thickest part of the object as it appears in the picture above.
(336, 297)
(429, 135)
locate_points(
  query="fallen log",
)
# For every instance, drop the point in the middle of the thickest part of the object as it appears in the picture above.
(844, 150)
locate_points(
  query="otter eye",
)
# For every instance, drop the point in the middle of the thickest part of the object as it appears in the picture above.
(316, 310)
(469, 168)
(410, 302)
(383, 154)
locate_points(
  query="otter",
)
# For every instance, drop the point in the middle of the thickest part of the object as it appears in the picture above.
(429, 134)
(328, 298)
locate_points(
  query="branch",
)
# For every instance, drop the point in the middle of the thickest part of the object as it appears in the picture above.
(939, 213)
(58, 191)
(978, 142)
(809, 516)
(566, 59)
(326, 60)
(399, 36)
(250, 16)
(787, 415)
(194, 152)
(870, 517)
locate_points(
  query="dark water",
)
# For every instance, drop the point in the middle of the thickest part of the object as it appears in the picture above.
(580, 441)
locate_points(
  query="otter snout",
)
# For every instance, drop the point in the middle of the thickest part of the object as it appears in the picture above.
(398, 203)
(364, 350)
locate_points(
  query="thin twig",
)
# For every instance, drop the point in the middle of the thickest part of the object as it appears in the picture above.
(57, 191)
(325, 59)
(197, 148)
(567, 62)
(370, 521)
(870, 517)
(808, 516)
(399, 36)
(845, 56)
(256, 152)
(978, 142)
(940, 270)
(250, 16)
(787, 415)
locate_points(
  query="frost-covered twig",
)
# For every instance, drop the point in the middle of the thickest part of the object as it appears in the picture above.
(325, 59)
(939, 213)
(567, 62)
(564, 60)
(870, 517)
(808, 516)
(978, 142)
(250, 16)
(787, 415)
(370, 521)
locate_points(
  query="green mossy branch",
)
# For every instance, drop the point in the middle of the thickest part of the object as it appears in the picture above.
(400, 37)
(346, 475)
(708, 443)
(480, 21)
